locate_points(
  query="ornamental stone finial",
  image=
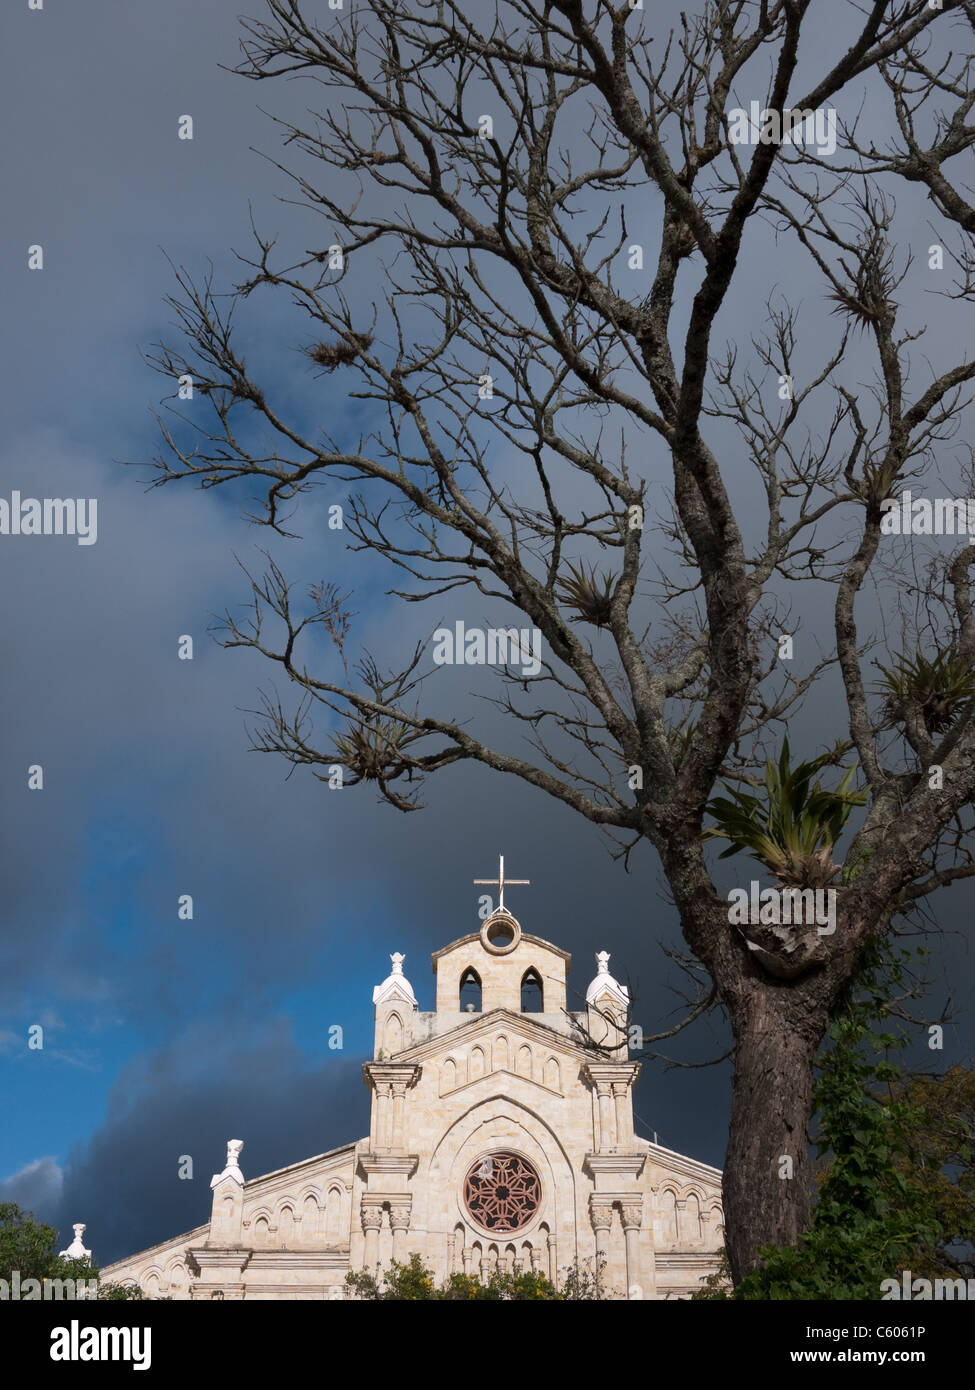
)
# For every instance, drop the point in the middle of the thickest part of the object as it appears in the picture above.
(76, 1250)
(232, 1168)
(602, 962)
(397, 959)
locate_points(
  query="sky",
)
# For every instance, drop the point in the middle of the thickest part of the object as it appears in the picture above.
(165, 1037)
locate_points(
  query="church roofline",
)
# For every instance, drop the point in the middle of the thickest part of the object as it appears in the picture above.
(303, 1163)
(103, 1270)
(525, 936)
(693, 1166)
(485, 1021)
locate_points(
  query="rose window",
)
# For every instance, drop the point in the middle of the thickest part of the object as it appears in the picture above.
(502, 1192)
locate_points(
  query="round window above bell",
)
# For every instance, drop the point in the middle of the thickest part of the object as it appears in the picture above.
(500, 933)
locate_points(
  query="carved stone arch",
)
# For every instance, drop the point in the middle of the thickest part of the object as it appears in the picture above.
(503, 1123)
(310, 1211)
(532, 992)
(261, 1222)
(524, 1061)
(553, 1074)
(150, 1281)
(286, 1221)
(393, 1034)
(715, 1222)
(477, 1066)
(689, 1220)
(667, 1199)
(335, 1221)
(502, 1053)
(448, 1076)
(176, 1272)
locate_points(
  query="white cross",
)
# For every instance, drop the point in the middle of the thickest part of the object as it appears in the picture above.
(500, 882)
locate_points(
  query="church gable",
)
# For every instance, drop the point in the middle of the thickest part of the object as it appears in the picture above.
(500, 1138)
(307, 1204)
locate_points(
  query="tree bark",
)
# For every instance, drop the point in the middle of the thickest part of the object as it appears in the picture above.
(766, 1200)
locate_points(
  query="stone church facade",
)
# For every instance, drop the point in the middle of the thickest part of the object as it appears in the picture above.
(501, 1135)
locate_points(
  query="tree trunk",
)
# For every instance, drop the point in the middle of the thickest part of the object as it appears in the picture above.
(766, 1175)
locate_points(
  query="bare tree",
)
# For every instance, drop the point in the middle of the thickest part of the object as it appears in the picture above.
(484, 168)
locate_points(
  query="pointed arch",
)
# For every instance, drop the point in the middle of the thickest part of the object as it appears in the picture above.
(310, 1220)
(334, 1205)
(393, 1035)
(690, 1220)
(532, 993)
(668, 1216)
(470, 991)
(553, 1074)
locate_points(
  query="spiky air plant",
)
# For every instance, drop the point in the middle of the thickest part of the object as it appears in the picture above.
(937, 689)
(591, 597)
(340, 354)
(792, 828)
(876, 484)
(373, 753)
(868, 299)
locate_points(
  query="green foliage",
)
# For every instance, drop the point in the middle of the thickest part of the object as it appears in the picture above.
(871, 1216)
(936, 689)
(413, 1282)
(792, 828)
(936, 1154)
(29, 1247)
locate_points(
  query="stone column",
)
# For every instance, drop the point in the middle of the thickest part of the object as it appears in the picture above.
(601, 1215)
(372, 1219)
(553, 1258)
(632, 1213)
(450, 1255)
(533, 1259)
(605, 1116)
(623, 1136)
(399, 1219)
(399, 1092)
(467, 1255)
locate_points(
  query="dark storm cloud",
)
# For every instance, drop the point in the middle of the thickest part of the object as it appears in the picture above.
(150, 791)
(188, 1101)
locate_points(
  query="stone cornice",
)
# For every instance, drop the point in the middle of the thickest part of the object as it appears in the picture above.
(612, 1071)
(262, 1260)
(408, 1072)
(624, 1164)
(525, 936)
(483, 1023)
(680, 1163)
(388, 1163)
(222, 1257)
